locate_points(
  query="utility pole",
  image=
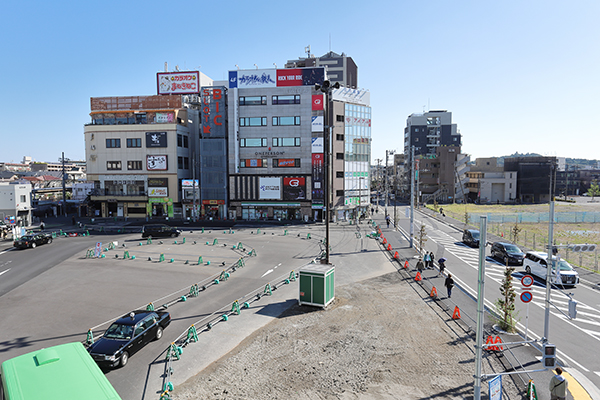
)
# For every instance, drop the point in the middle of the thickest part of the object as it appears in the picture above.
(194, 210)
(550, 260)
(412, 194)
(378, 178)
(480, 306)
(387, 195)
(64, 185)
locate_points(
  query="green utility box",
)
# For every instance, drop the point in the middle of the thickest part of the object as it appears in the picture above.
(316, 285)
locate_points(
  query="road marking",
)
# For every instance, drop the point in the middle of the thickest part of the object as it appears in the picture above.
(4, 271)
(575, 388)
(266, 273)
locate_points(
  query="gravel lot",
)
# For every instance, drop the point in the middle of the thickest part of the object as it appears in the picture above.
(380, 339)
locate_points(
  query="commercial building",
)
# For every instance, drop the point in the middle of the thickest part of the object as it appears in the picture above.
(15, 203)
(534, 175)
(490, 183)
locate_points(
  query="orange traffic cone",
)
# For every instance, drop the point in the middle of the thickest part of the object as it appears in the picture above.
(456, 314)
(406, 264)
(490, 340)
(396, 255)
(418, 277)
(384, 241)
(433, 293)
(389, 247)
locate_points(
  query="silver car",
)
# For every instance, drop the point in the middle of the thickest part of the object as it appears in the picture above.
(535, 264)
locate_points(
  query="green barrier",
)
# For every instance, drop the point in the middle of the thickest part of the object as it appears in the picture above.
(241, 262)
(174, 351)
(126, 254)
(308, 236)
(215, 242)
(224, 276)
(194, 291)
(183, 241)
(162, 257)
(268, 289)
(90, 337)
(285, 232)
(150, 307)
(292, 276)
(235, 307)
(192, 334)
(252, 252)
(89, 253)
(200, 262)
(149, 241)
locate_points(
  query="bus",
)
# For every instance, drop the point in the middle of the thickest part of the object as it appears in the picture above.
(66, 371)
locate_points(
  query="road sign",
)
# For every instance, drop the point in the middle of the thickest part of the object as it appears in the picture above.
(527, 280)
(495, 388)
(526, 297)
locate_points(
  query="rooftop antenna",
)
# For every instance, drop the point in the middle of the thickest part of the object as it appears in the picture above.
(307, 51)
(330, 42)
(275, 65)
(166, 67)
(256, 66)
(177, 68)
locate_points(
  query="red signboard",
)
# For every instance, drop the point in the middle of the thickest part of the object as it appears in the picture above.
(317, 102)
(294, 188)
(289, 77)
(213, 105)
(286, 162)
(213, 202)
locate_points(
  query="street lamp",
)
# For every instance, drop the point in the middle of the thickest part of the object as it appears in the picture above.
(327, 87)
(387, 154)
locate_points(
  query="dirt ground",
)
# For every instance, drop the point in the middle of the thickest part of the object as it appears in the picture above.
(380, 339)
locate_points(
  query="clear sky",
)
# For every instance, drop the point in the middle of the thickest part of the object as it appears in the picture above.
(518, 76)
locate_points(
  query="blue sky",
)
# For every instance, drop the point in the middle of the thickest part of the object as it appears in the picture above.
(517, 75)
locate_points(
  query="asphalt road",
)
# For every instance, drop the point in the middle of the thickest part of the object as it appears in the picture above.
(573, 338)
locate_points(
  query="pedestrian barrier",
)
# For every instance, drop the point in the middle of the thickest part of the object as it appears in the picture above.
(241, 263)
(268, 289)
(252, 252)
(215, 242)
(433, 293)
(285, 232)
(162, 257)
(498, 340)
(90, 337)
(200, 262)
(531, 392)
(126, 254)
(456, 314)
(308, 236)
(224, 276)
(89, 253)
(192, 334)
(418, 277)
(149, 241)
(235, 307)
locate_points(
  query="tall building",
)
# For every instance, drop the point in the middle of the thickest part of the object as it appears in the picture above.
(338, 67)
(437, 148)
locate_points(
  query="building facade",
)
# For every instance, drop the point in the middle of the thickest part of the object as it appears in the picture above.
(490, 183)
(15, 203)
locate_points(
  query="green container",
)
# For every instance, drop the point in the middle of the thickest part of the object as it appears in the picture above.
(316, 285)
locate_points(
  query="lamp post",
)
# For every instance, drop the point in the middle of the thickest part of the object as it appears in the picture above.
(327, 87)
(387, 195)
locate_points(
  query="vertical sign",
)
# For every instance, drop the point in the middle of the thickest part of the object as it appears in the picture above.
(213, 111)
(318, 177)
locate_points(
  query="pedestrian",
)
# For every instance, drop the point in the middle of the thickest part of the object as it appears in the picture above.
(442, 264)
(558, 386)
(420, 265)
(426, 260)
(376, 210)
(449, 283)
(431, 258)
(42, 226)
(387, 220)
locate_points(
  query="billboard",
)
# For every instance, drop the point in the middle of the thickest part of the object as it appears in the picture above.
(294, 188)
(158, 192)
(156, 139)
(255, 78)
(356, 96)
(165, 117)
(213, 112)
(178, 82)
(318, 176)
(188, 183)
(156, 163)
(286, 162)
(269, 188)
(317, 145)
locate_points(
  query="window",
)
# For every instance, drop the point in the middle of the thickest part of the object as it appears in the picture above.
(291, 99)
(286, 163)
(339, 156)
(134, 142)
(113, 143)
(134, 165)
(339, 137)
(286, 121)
(253, 163)
(339, 118)
(186, 142)
(339, 193)
(339, 174)
(113, 165)
(179, 140)
(23, 198)
(253, 142)
(253, 121)
(183, 163)
(290, 142)
(253, 100)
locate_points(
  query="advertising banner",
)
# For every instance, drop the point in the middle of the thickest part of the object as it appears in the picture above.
(158, 192)
(317, 124)
(286, 162)
(358, 121)
(158, 182)
(162, 118)
(356, 96)
(189, 183)
(156, 139)
(156, 163)
(294, 188)
(318, 177)
(317, 145)
(317, 102)
(213, 112)
(269, 188)
(254, 78)
(178, 82)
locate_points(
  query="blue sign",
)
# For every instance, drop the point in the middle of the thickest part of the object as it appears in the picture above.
(232, 79)
(495, 388)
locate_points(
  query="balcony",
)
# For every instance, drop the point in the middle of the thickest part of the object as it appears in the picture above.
(109, 194)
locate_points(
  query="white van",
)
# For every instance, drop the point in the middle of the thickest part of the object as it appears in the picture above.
(535, 264)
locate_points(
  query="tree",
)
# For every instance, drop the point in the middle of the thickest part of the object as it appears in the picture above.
(467, 218)
(515, 230)
(594, 189)
(422, 237)
(505, 306)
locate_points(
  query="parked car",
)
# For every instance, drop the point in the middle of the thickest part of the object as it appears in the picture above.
(471, 237)
(32, 240)
(535, 264)
(159, 230)
(508, 253)
(127, 335)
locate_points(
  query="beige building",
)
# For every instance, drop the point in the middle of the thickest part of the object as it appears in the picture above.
(489, 183)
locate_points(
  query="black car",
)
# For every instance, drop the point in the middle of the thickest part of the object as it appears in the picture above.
(471, 237)
(127, 335)
(508, 253)
(32, 240)
(159, 230)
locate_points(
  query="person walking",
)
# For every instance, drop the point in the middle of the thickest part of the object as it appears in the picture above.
(558, 386)
(387, 220)
(420, 265)
(431, 259)
(42, 226)
(449, 283)
(442, 264)
(426, 260)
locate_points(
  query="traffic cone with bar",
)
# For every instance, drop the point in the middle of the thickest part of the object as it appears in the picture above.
(433, 293)
(418, 277)
(406, 264)
(490, 340)
(456, 314)
(496, 341)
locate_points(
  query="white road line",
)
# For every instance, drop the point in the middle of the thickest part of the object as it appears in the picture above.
(266, 273)
(4, 271)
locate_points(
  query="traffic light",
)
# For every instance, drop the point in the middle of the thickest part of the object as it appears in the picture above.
(549, 358)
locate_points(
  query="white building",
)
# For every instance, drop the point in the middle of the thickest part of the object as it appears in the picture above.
(15, 201)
